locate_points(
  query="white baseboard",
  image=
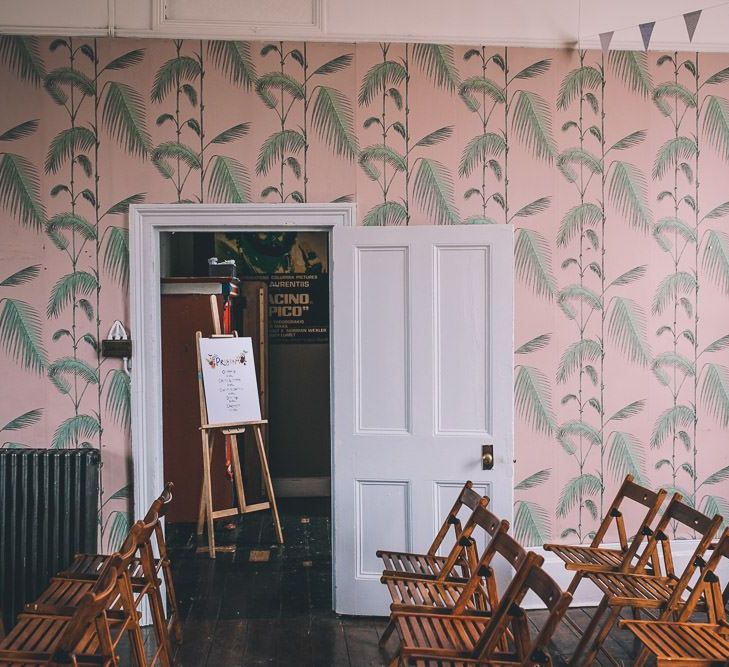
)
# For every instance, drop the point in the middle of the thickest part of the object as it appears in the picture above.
(302, 487)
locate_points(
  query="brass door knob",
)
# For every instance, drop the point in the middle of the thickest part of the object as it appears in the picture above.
(487, 457)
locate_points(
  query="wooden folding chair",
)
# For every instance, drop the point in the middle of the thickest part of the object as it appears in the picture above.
(478, 592)
(460, 639)
(640, 590)
(598, 558)
(65, 592)
(61, 636)
(683, 641)
(89, 565)
(430, 562)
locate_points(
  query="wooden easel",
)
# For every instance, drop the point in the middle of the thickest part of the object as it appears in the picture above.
(207, 514)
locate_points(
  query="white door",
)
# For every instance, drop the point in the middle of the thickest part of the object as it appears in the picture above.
(422, 368)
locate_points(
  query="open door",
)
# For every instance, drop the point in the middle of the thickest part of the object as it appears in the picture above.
(423, 367)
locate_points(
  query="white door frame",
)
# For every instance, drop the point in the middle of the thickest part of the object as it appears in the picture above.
(146, 223)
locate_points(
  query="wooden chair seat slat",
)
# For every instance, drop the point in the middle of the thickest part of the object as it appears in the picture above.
(34, 634)
(650, 591)
(92, 564)
(69, 592)
(447, 591)
(460, 637)
(89, 565)
(84, 612)
(421, 564)
(580, 555)
(430, 563)
(457, 634)
(597, 557)
(683, 640)
(680, 640)
(427, 593)
(666, 592)
(77, 635)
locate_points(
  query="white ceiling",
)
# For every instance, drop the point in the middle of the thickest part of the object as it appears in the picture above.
(552, 23)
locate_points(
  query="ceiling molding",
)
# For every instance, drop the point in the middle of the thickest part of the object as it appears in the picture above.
(591, 44)
(63, 31)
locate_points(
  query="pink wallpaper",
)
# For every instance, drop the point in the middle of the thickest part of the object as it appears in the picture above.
(614, 171)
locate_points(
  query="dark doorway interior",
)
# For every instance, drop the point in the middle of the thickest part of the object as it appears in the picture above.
(288, 273)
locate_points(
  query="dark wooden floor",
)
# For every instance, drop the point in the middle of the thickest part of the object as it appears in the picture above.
(239, 612)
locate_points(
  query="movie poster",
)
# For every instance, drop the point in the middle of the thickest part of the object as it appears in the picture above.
(296, 265)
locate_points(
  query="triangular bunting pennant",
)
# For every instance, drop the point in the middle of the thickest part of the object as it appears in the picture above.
(646, 30)
(692, 20)
(605, 39)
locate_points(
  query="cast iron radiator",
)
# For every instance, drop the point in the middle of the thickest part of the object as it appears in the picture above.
(49, 502)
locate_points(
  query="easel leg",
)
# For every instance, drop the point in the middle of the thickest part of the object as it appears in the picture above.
(237, 474)
(203, 495)
(207, 493)
(201, 509)
(267, 480)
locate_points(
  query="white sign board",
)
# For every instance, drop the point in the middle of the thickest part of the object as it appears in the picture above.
(229, 380)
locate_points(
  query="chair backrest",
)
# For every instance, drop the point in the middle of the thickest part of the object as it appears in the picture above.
(132, 542)
(556, 601)
(530, 577)
(630, 490)
(465, 545)
(91, 611)
(161, 504)
(678, 512)
(708, 588)
(157, 510)
(483, 577)
(468, 498)
(151, 524)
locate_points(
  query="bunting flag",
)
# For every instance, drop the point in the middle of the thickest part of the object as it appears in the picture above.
(646, 30)
(692, 20)
(605, 39)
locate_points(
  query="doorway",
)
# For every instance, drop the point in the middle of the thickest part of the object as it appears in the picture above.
(147, 224)
(274, 288)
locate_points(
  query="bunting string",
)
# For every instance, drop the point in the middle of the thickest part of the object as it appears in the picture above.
(691, 21)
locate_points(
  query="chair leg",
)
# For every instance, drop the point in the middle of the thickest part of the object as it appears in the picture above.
(387, 633)
(575, 583)
(172, 599)
(160, 626)
(585, 640)
(106, 647)
(637, 644)
(642, 657)
(602, 635)
(520, 628)
(136, 640)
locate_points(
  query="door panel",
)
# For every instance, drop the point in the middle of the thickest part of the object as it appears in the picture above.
(374, 499)
(381, 288)
(422, 353)
(462, 342)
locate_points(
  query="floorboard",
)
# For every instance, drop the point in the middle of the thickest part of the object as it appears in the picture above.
(241, 611)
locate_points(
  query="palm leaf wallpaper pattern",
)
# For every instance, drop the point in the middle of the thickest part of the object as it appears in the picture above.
(610, 168)
(594, 434)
